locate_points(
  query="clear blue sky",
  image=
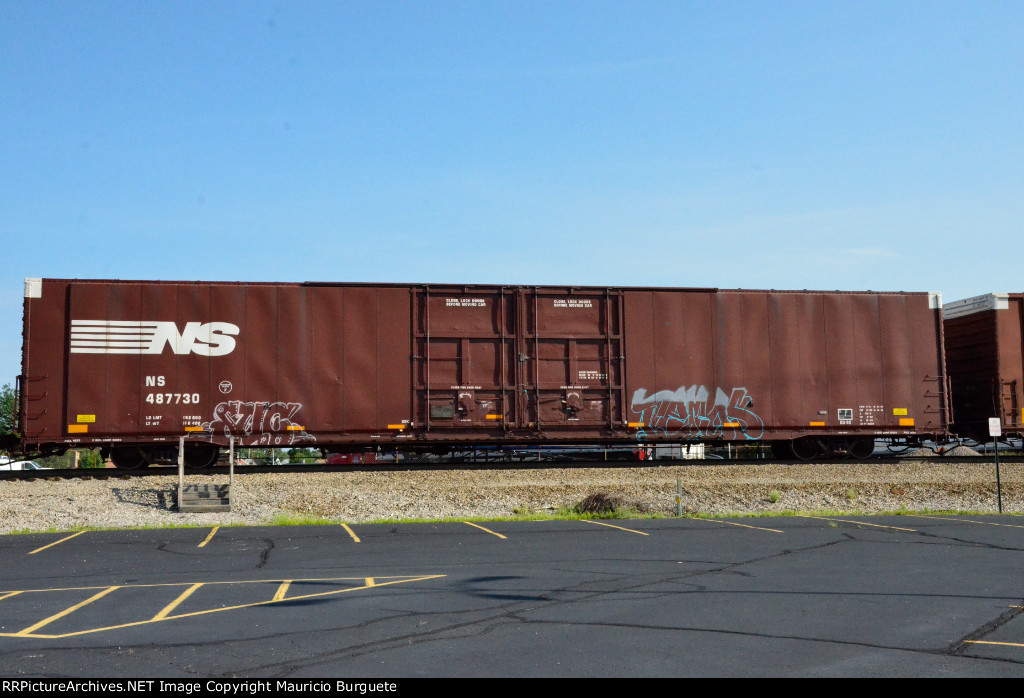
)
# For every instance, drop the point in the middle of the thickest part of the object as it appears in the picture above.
(851, 145)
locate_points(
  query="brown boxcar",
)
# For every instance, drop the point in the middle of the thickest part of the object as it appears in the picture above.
(133, 365)
(985, 359)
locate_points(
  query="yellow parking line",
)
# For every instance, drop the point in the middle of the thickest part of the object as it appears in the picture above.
(733, 523)
(9, 594)
(469, 523)
(860, 523)
(27, 632)
(630, 530)
(282, 590)
(175, 584)
(56, 542)
(174, 604)
(354, 536)
(32, 628)
(989, 642)
(950, 518)
(203, 544)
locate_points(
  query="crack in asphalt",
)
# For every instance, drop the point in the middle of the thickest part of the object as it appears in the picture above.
(265, 554)
(514, 613)
(960, 646)
(945, 540)
(504, 617)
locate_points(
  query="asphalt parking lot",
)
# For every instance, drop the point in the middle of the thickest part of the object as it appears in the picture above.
(787, 596)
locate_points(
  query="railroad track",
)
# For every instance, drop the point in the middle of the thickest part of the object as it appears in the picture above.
(242, 471)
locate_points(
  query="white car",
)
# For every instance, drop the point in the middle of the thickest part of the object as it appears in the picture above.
(22, 465)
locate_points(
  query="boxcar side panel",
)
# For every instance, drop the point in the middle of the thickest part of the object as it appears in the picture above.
(339, 365)
(1010, 341)
(43, 379)
(752, 365)
(902, 378)
(669, 364)
(743, 383)
(985, 357)
(931, 401)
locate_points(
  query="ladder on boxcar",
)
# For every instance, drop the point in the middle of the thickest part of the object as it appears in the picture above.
(1012, 415)
(193, 498)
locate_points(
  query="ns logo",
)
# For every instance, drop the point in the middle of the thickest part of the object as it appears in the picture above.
(151, 337)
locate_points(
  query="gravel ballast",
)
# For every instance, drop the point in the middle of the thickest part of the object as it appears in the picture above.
(117, 500)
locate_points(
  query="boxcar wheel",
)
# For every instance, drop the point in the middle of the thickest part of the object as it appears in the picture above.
(128, 458)
(806, 448)
(861, 448)
(200, 455)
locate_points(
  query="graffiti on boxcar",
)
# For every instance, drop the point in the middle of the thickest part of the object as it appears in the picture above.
(688, 413)
(266, 423)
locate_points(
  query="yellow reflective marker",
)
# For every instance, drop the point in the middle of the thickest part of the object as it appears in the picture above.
(56, 542)
(469, 523)
(350, 532)
(733, 523)
(630, 530)
(860, 523)
(203, 544)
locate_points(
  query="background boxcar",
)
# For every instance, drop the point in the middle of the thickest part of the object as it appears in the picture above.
(985, 359)
(132, 365)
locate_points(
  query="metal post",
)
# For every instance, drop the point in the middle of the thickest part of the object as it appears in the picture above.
(181, 469)
(999, 486)
(995, 430)
(679, 496)
(231, 467)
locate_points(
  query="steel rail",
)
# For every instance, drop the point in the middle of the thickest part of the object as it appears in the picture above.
(242, 471)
